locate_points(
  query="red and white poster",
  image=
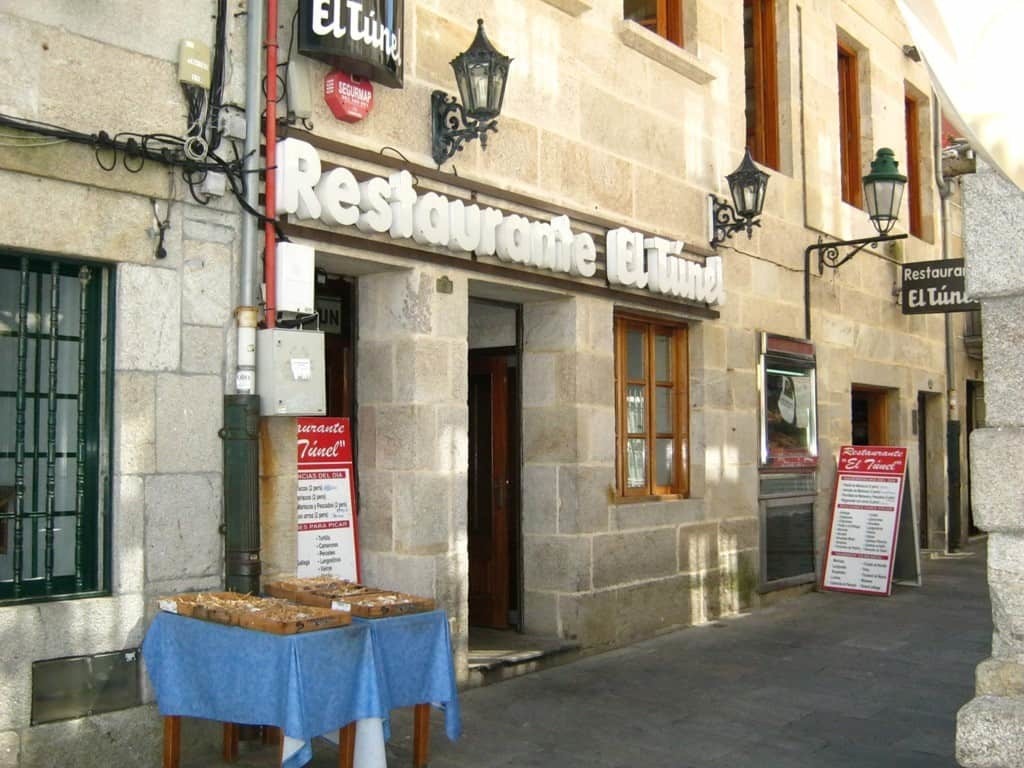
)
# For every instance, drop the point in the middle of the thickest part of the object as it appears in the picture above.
(327, 541)
(866, 510)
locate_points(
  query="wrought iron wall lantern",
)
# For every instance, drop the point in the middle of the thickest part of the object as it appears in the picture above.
(883, 194)
(481, 73)
(747, 185)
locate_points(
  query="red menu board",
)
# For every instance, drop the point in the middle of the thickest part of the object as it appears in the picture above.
(866, 508)
(326, 539)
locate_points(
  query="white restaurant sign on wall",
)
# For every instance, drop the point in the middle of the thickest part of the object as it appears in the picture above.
(392, 207)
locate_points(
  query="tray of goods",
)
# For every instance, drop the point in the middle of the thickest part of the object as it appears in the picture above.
(262, 613)
(286, 618)
(376, 605)
(212, 606)
(319, 591)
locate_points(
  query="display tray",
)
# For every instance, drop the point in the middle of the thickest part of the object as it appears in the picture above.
(281, 617)
(382, 604)
(319, 591)
(360, 600)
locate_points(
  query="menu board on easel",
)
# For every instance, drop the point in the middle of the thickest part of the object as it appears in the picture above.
(865, 534)
(326, 535)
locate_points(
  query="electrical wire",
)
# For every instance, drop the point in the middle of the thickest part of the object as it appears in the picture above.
(134, 149)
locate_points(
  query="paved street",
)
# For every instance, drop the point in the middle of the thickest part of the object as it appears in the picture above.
(825, 681)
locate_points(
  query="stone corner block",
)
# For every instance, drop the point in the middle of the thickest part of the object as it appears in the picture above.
(988, 733)
(997, 495)
(1000, 677)
(10, 749)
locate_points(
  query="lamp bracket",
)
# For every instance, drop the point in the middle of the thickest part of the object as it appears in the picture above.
(447, 137)
(725, 222)
(829, 254)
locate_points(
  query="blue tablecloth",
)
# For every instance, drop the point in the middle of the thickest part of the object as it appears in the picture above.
(307, 684)
(413, 654)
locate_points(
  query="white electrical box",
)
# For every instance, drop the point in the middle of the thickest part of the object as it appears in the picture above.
(290, 372)
(296, 278)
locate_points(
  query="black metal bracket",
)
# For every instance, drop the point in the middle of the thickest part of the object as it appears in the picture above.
(829, 256)
(724, 223)
(446, 135)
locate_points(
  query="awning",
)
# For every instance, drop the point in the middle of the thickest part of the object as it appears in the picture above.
(973, 49)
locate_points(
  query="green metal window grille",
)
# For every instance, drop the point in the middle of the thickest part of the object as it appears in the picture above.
(56, 349)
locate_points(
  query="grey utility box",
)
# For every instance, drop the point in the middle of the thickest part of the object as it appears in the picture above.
(290, 372)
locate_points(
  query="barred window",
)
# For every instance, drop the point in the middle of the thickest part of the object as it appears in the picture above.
(651, 375)
(55, 408)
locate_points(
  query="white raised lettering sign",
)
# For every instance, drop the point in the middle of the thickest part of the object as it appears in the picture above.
(391, 206)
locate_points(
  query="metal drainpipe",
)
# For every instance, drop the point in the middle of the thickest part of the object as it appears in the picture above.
(241, 527)
(241, 493)
(269, 191)
(953, 521)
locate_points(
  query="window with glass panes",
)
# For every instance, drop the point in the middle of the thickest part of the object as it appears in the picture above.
(663, 17)
(762, 81)
(55, 396)
(651, 374)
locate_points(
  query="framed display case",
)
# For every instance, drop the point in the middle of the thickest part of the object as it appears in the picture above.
(789, 403)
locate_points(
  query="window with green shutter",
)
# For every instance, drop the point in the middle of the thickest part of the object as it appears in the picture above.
(56, 363)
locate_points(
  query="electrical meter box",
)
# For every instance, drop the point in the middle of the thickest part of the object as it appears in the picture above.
(290, 372)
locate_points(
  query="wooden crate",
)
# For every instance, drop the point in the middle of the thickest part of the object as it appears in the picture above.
(384, 603)
(317, 591)
(300, 618)
(196, 604)
(266, 614)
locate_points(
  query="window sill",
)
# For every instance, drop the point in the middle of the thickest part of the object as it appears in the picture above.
(572, 7)
(647, 499)
(678, 59)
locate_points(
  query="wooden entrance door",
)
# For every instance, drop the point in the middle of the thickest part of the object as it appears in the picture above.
(493, 482)
(869, 416)
(335, 299)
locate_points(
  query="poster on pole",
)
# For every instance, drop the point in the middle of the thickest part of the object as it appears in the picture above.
(865, 531)
(326, 537)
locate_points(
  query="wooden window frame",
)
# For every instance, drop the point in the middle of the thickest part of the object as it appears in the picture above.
(912, 168)
(849, 126)
(679, 345)
(762, 77)
(668, 22)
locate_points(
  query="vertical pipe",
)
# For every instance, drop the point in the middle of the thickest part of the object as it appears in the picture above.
(245, 314)
(241, 493)
(953, 522)
(270, 238)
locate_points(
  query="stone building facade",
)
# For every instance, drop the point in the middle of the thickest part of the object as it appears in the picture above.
(606, 123)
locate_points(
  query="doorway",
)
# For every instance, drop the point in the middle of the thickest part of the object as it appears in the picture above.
(335, 306)
(974, 419)
(869, 416)
(493, 519)
(922, 467)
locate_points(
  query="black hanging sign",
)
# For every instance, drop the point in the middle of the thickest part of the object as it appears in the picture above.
(930, 287)
(361, 37)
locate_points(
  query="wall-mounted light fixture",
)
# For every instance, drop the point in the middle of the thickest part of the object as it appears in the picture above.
(481, 73)
(883, 193)
(747, 185)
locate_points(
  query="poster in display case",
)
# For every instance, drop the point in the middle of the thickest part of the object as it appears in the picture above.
(789, 403)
